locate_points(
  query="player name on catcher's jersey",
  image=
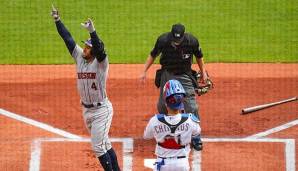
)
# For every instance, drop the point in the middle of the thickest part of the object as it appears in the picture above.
(173, 134)
(91, 77)
(164, 128)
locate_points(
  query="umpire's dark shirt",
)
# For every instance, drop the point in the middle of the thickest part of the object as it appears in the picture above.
(176, 59)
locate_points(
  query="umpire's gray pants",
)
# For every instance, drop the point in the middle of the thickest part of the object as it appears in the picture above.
(190, 104)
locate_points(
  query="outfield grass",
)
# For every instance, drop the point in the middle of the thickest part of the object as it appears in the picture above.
(228, 30)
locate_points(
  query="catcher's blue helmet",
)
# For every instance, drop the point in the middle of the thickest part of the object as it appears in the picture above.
(173, 94)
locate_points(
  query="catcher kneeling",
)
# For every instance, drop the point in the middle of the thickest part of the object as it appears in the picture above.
(174, 132)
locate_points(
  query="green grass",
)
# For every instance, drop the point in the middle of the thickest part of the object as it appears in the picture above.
(228, 31)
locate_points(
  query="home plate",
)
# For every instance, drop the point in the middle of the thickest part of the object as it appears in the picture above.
(196, 161)
(149, 163)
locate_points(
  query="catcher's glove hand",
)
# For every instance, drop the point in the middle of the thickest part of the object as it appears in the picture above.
(196, 143)
(204, 88)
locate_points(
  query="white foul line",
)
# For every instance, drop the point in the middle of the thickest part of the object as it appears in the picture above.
(36, 150)
(274, 130)
(38, 124)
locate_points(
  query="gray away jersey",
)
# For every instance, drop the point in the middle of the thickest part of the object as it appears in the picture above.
(91, 77)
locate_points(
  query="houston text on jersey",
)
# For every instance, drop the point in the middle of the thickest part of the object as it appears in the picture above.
(86, 75)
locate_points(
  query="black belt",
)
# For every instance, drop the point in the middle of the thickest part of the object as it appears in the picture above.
(90, 105)
(177, 71)
(178, 157)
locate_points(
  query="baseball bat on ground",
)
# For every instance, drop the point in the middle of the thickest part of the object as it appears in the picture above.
(264, 106)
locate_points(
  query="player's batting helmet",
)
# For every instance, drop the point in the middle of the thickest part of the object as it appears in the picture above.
(88, 42)
(173, 93)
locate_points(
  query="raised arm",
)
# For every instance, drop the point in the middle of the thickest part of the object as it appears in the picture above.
(62, 30)
(97, 45)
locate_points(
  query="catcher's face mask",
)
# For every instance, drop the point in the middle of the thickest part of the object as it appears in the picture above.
(175, 101)
(174, 93)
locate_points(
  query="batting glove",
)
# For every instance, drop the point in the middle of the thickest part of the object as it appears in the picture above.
(88, 25)
(55, 13)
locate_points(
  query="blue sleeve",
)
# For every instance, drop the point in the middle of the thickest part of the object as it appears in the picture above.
(97, 47)
(66, 36)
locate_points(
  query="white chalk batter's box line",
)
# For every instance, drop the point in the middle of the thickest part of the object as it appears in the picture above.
(36, 151)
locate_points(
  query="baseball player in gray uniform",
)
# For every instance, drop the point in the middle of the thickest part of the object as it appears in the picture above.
(92, 69)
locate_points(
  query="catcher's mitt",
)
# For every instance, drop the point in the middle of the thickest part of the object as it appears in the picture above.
(203, 88)
(196, 143)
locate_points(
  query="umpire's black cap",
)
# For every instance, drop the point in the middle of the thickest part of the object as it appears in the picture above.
(178, 32)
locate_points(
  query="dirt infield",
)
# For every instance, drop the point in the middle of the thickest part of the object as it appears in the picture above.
(48, 94)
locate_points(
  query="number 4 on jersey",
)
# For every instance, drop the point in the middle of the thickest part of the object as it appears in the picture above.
(93, 86)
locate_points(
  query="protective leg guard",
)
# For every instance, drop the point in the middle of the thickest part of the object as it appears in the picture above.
(105, 162)
(114, 160)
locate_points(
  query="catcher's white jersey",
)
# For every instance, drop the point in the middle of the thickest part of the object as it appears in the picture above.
(91, 77)
(172, 134)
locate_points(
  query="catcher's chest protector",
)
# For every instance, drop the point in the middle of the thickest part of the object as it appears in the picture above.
(170, 142)
(162, 119)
